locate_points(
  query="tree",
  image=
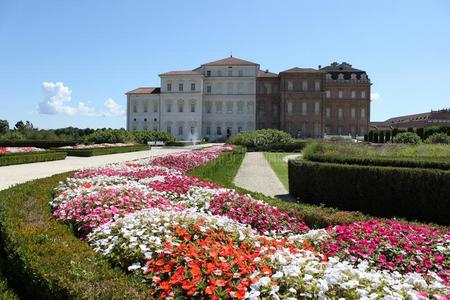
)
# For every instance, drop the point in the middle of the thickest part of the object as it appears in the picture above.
(407, 138)
(23, 126)
(4, 126)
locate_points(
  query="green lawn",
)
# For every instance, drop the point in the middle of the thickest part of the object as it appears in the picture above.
(279, 166)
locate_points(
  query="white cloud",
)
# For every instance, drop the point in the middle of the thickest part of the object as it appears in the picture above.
(57, 98)
(375, 96)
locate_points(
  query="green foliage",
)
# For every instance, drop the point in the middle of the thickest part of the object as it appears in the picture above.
(351, 187)
(11, 136)
(103, 151)
(25, 158)
(375, 137)
(262, 139)
(370, 136)
(22, 126)
(110, 136)
(420, 132)
(45, 260)
(35, 143)
(145, 136)
(4, 126)
(407, 138)
(438, 138)
(381, 137)
(388, 136)
(223, 170)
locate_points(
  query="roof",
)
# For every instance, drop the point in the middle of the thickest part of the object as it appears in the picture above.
(343, 67)
(231, 61)
(301, 70)
(182, 72)
(144, 90)
(266, 73)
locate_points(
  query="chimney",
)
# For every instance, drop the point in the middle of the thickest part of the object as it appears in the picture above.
(267, 71)
(320, 67)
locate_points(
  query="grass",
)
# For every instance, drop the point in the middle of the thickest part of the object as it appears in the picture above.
(223, 170)
(279, 166)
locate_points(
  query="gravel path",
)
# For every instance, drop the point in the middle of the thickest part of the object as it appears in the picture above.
(255, 174)
(10, 175)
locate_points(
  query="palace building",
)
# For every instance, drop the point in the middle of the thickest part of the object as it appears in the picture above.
(231, 95)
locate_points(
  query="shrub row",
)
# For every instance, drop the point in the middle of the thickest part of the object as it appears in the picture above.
(405, 162)
(36, 143)
(292, 146)
(30, 157)
(45, 260)
(223, 169)
(415, 194)
(5, 292)
(262, 139)
(102, 151)
(383, 136)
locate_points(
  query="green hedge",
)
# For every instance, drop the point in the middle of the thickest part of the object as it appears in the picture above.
(45, 260)
(103, 151)
(415, 194)
(406, 162)
(223, 169)
(32, 157)
(36, 143)
(292, 146)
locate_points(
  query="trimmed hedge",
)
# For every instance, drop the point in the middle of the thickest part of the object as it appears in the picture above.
(404, 162)
(415, 194)
(31, 157)
(103, 151)
(293, 146)
(223, 169)
(37, 143)
(45, 260)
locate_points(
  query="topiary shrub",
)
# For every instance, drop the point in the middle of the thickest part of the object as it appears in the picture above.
(388, 136)
(438, 138)
(262, 139)
(144, 136)
(407, 138)
(110, 136)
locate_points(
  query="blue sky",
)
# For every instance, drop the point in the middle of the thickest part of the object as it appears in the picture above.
(92, 52)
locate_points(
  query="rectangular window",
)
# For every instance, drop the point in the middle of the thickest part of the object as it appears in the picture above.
(363, 94)
(169, 107)
(240, 106)
(155, 128)
(180, 130)
(135, 108)
(362, 130)
(230, 73)
(341, 94)
(290, 85)
(180, 87)
(340, 113)
(219, 73)
(304, 107)
(208, 107)
(353, 94)
(219, 130)
(363, 113)
(180, 107)
(208, 130)
(192, 106)
(328, 112)
(192, 86)
(229, 107)
(208, 89)
(304, 85)
(192, 130)
(155, 106)
(317, 85)
(239, 129)
(317, 108)
(208, 73)
(289, 107)
(328, 94)
(169, 129)
(219, 106)
(145, 107)
(169, 87)
(353, 113)
(241, 73)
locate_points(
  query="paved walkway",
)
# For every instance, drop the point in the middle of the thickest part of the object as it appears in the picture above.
(10, 175)
(255, 174)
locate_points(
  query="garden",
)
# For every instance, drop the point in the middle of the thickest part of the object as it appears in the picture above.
(175, 227)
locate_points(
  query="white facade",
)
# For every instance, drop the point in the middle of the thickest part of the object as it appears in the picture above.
(213, 101)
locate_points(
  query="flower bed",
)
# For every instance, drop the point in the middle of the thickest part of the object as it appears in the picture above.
(191, 238)
(8, 150)
(94, 146)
